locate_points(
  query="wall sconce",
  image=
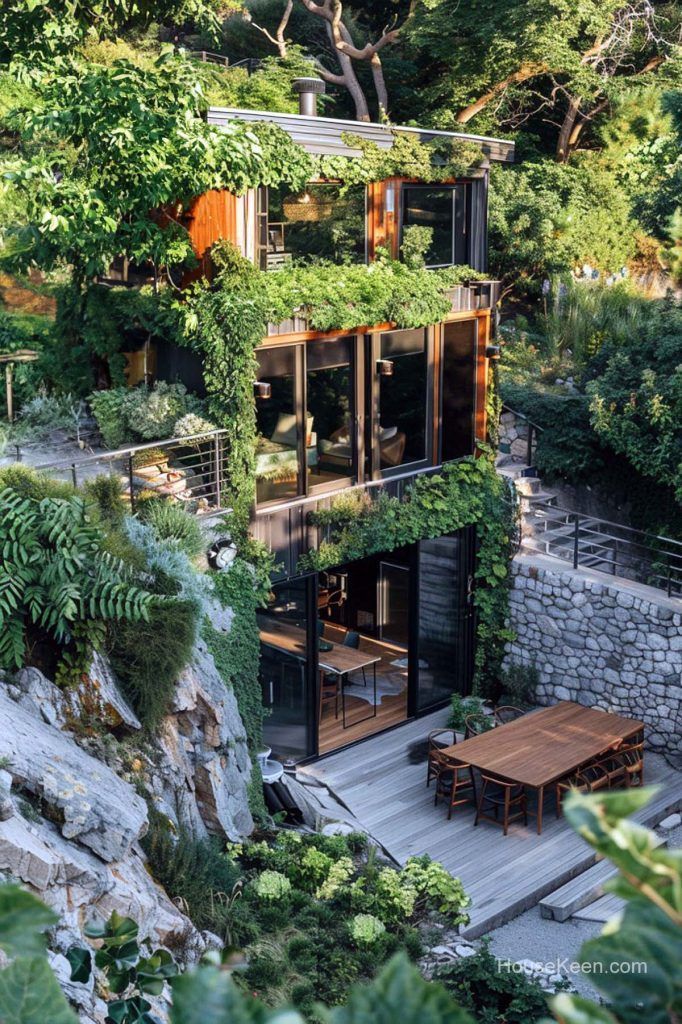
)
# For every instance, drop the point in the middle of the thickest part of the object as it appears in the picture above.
(262, 389)
(385, 367)
(492, 351)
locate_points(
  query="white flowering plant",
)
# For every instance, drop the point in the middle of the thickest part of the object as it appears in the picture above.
(366, 929)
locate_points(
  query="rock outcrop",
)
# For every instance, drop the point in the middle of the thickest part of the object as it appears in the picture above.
(71, 822)
(201, 781)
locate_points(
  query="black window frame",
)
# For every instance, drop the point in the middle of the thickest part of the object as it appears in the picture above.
(461, 213)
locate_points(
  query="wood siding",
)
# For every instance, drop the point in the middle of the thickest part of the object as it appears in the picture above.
(210, 218)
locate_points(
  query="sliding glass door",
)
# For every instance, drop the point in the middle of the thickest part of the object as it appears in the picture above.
(443, 660)
(287, 629)
(458, 402)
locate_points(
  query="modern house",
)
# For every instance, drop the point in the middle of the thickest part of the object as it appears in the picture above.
(369, 644)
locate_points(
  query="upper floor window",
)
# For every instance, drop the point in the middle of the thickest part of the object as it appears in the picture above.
(326, 222)
(446, 210)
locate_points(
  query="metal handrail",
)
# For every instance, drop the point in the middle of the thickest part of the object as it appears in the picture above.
(643, 565)
(533, 428)
(121, 453)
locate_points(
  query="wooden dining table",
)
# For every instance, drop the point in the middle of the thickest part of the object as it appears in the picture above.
(541, 747)
(286, 636)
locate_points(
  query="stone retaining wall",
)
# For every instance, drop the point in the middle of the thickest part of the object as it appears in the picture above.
(602, 642)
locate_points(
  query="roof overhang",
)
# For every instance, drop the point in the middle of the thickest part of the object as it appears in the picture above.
(322, 135)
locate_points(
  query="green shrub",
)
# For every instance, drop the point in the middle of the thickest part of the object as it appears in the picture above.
(170, 522)
(105, 491)
(148, 657)
(519, 683)
(195, 873)
(490, 995)
(30, 483)
(138, 414)
(462, 708)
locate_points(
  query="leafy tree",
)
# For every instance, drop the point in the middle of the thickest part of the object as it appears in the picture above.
(37, 29)
(494, 61)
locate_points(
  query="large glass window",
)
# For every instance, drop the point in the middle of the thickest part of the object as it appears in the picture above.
(323, 222)
(330, 387)
(458, 390)
(285, 672)
(445, 211)
(278, 470)
(403, 372)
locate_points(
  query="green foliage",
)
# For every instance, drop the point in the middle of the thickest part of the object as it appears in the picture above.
(23, 921)
(148, 656)
(462, 708)
(650, 930)
(105, 491)
(519, 683)
(196, 872)
(490, 995)
(366, 929)
(463, 494)
(30, 483)
(128, 972)
(170, 522)
(407, 158)
(22, 331)
(107, 119)
(138, 414)
(29, 993)
(47, 546)
(416, 243)
(546, 219)
(636, 399)
(42, 31)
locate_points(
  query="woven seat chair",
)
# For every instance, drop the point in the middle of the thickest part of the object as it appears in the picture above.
(498, 795)
(507, 713)
(474, 725)
(588, 779)
(330, 690)
(454, 781)
(437, 740)
(625, 765)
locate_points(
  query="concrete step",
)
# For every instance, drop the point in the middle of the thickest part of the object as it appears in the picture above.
(580, 891)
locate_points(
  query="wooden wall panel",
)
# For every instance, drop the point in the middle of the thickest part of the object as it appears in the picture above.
(482, 371)
(211, 217)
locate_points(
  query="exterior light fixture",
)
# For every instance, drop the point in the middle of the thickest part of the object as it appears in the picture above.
(385, 367)
(222, 554)
(492, 351)
(262, 389)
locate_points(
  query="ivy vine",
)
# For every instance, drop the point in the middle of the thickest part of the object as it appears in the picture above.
(431, 162)
(465, 493)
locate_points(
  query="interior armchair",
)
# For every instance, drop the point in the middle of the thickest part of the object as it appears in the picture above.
(277, 456)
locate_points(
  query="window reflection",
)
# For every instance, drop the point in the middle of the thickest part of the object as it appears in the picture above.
(284, 673)
(403, 398)
(277, 450)
(445, 211)
(330, 408)
(325, 222)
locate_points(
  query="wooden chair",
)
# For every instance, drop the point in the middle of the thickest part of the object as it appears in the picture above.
(474, 725)
(352, 639)
(625, 766)
(507, 713)
(498, 795)
(587, 779)
(454, 781)
(437, 740)
(330, 690)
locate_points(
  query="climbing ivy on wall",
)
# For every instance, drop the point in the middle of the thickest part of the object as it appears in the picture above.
(462, 494)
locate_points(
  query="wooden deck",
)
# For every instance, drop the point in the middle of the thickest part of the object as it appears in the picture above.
(382, 782)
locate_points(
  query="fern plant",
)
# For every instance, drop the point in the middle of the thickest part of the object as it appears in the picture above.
(55, 574)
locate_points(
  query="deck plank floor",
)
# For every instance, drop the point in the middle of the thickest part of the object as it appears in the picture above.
(382, 782)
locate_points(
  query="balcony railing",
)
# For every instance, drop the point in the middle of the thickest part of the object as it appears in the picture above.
(286, 529)
(190, 470)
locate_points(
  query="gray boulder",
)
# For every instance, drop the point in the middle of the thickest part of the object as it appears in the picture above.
(91, 802)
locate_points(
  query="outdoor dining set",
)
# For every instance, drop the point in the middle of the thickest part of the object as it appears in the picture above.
(501, 761)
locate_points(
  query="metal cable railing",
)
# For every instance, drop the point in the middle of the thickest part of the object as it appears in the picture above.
(590, 542)
(190, 470)
(533, 432)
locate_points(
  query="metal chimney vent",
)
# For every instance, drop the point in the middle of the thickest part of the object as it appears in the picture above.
(308, 90)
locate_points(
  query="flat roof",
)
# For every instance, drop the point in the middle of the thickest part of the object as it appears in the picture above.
(322, 135)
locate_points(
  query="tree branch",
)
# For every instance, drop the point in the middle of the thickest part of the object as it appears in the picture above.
(278, 40)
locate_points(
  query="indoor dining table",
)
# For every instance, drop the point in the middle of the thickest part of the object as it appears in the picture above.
(541, 747)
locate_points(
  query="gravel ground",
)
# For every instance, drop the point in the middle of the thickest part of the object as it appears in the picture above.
(532, 937)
